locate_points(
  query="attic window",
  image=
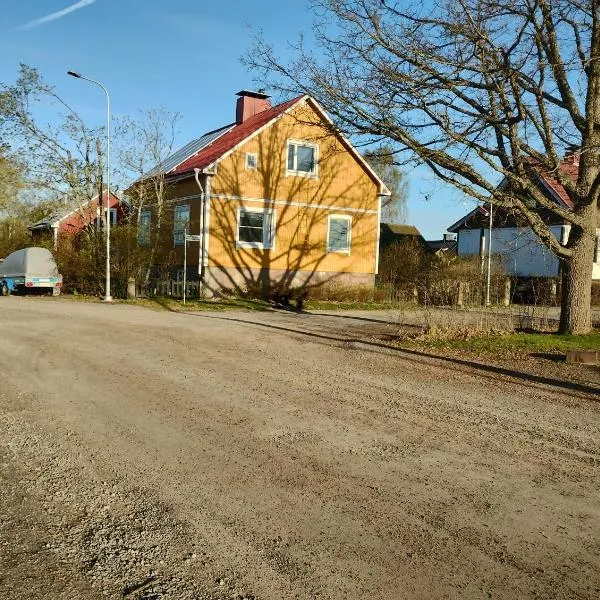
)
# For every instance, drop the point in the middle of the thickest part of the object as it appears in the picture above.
(251, 161)
(302, 158)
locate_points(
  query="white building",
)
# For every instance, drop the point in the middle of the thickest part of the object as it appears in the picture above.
(523, 252)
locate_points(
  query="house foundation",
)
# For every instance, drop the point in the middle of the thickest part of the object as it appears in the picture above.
(264, 281)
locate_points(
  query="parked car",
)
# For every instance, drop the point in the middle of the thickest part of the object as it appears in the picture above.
(29, 270)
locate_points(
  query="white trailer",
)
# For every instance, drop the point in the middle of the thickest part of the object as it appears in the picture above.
(29, 269)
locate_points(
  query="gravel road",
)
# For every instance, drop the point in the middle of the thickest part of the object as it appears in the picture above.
(150, 455)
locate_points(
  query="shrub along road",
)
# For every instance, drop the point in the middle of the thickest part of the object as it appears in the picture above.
(148, 454)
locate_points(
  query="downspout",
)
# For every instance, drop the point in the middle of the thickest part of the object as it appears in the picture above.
(378, 233)
(203, 216)
(55, 236)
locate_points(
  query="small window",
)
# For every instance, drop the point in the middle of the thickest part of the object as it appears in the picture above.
(256, 228)
(251, 161)
(144, 224)
(597, 249)
(181, 222)
(302, 158)
(113, 218)
(339, 233)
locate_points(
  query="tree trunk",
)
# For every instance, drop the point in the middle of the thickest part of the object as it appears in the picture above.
(576, 293)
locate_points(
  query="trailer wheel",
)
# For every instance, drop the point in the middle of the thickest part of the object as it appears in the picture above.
(4, 291)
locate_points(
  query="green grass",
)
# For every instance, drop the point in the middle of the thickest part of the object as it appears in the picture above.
(520, 343)
(350, 305)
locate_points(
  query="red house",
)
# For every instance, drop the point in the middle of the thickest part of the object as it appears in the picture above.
(71, 222)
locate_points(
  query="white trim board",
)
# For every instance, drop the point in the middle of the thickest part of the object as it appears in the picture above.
(330, 250)
(287, 203)
(383, 189)
(272, 228)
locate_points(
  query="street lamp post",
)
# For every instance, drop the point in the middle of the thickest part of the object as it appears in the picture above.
(489, 259)
(107, 296)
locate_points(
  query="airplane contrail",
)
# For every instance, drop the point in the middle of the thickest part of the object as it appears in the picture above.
(57, 15)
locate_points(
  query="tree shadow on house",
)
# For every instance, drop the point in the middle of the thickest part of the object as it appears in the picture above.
(295, 256)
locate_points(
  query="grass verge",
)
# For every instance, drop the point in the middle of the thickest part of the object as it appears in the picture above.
(349, 305)
(511, 344)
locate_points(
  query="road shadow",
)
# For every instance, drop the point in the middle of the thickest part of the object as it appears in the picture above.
(486, 371)
(352, 317)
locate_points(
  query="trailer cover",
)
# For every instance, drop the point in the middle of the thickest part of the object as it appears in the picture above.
(29, 262)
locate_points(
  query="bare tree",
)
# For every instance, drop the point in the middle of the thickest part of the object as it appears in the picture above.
(11, 179)
(481, 91)
(394, 208)
(144, 144)
(64, 158)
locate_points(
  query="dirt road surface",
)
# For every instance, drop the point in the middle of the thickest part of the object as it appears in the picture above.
(148, 454)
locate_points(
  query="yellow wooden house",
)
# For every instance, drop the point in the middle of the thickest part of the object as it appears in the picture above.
(274, 200)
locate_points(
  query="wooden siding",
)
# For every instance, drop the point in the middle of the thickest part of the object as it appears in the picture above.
(301, 204)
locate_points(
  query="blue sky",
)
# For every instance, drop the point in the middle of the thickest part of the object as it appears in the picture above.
(183, 55)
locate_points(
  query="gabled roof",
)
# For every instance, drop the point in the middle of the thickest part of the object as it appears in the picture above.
(234, 134)
(55, 219)
(216, 145)
(556, 191)
(401, 229)
(477, 211)
(390, 233)
(570, 168)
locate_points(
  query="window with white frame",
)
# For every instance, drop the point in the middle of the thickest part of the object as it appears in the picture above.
(302, 158)
(339, 233)
(113, 218)
(251, 161)
(256, 228)
(181, 222)
(144, 224)
(597, 249)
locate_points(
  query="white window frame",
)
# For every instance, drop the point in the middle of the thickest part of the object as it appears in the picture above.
(261, 245)
(249, 156)
(177, 242)
(295, 172)
(346, 218)
(113, 218)
(145, 242)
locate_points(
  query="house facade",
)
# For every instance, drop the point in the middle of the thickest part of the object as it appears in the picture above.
(73, 221)
(522, 252)
(277, 198)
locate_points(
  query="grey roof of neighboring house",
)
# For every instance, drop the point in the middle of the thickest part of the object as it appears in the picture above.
(47, 221)
(187, 151)
(443, 245)
(401, 229)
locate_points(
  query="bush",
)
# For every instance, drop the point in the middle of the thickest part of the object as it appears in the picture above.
(81, 260)
(408, 269)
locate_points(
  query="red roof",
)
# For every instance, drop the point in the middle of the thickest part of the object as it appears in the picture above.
(570, 167)
(232, 138)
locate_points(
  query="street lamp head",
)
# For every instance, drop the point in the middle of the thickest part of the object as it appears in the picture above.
(75, 74)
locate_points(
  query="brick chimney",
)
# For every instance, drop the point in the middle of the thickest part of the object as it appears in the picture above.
(250, 104)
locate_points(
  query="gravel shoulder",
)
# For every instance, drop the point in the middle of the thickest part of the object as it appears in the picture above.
(150, 454)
